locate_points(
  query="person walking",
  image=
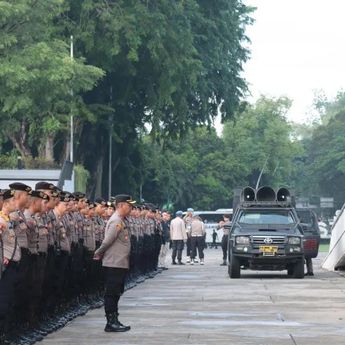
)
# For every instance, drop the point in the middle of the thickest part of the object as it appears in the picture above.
(197, 235)
(114, 252)
(178, 236)
(225, 225)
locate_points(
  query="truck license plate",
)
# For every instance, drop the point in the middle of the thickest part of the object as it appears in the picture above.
(268, 250)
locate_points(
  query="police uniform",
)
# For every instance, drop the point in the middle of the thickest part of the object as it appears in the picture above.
(22, 284)
(197, 236)
(115, 251)
(10, 250)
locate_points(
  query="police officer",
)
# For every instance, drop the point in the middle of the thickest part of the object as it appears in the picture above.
(197, 236)
(188, 220)
(178, 236)
(114, 252)
(10, 259)
(20, 227)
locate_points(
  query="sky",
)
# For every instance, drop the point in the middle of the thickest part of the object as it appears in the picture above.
(298, 47)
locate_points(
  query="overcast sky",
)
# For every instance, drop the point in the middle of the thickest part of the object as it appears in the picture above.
(298, 46)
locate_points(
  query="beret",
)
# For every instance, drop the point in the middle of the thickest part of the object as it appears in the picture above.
(44, 185)
(7, 193)
(20, 186)
(39, 194)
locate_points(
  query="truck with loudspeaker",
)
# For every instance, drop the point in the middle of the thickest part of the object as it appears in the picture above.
(265, 233)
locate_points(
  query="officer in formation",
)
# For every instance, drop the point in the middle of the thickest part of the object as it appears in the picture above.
(48, 240)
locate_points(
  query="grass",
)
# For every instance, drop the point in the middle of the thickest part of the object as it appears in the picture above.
(324, 247)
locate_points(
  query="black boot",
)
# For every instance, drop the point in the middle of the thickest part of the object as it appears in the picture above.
(113, 324)
(224, 263)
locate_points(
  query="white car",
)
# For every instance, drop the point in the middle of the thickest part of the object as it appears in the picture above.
(211, 220)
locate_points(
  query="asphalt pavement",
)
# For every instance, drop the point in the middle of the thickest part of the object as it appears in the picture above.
(201, 305)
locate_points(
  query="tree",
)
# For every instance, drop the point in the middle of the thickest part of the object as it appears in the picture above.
(169, 64)
(326, 159)
(261, 137)
(37, 77)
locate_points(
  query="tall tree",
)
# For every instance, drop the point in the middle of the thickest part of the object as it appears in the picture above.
(37, 76)
(169, 64)
(260, 137)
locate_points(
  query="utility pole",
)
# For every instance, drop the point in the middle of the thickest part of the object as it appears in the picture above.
(110, 145)
(71, 118)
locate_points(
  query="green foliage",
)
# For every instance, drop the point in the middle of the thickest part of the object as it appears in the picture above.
(189, 173)
(170, 64)
(319, 168)
(259, 135)
(37, 74)
(9, 160)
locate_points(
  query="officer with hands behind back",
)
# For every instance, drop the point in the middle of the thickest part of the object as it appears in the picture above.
(114, 252)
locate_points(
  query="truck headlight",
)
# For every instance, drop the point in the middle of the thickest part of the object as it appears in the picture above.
(242, 240)
(294, 240)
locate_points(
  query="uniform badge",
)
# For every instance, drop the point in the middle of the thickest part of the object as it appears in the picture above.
(119, 226)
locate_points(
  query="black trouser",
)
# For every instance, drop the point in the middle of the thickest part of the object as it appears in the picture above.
(61, 264)
(197, 242)
(48, 300)
(189, 246)
(114, 288)
(309, 265)
(7, 282)
(36, 278)
(21, 287)
(177, 246)
(225, 246)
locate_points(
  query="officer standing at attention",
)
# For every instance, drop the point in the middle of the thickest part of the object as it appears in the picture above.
(114, 252)
(10, 259)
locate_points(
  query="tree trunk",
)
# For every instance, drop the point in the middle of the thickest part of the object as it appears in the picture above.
(20, 145)
(49, 148)
(99, 176)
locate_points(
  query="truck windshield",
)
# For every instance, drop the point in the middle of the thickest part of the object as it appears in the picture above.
(280, 217)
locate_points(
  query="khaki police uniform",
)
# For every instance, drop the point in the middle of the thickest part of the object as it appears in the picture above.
(114, 250)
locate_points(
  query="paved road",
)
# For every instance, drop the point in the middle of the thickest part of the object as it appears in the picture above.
(201, 305)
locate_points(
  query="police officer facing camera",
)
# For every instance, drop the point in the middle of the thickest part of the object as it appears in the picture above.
(114, 252)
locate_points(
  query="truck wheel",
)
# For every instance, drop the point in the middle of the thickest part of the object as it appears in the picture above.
(234, 268)
(298, 271)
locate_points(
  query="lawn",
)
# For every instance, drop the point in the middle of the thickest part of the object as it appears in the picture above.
(324, 247)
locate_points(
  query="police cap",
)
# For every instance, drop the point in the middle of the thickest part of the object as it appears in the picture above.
(124, 198)
(20, 186)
